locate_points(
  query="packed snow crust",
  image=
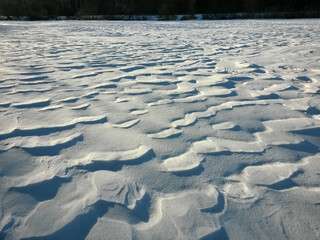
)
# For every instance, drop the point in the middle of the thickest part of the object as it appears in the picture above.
(160, 130)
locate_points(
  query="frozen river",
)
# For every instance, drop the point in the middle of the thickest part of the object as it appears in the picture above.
(160, 130)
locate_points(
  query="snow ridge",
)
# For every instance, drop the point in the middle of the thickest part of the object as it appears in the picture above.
(152, 130)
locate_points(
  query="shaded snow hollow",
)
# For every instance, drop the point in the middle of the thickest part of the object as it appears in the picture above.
(160, 130)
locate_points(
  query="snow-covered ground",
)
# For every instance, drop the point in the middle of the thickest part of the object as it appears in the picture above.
(160, 130)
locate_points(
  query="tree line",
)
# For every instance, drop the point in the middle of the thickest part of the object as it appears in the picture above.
(149, 7)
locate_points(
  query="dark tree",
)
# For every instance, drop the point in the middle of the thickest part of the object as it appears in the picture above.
(162, 7)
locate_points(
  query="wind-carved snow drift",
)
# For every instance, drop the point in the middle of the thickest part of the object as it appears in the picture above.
(195, 130)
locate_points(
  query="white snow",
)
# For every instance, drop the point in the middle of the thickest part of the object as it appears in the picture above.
(160, 130)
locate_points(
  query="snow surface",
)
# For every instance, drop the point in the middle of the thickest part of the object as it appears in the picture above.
(160, 130)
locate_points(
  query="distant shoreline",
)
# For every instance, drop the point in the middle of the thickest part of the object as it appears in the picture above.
(216, 16)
